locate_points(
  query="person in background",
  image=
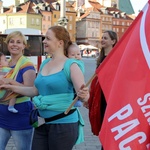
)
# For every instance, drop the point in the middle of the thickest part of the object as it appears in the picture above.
(97, 103)
(53, 92)
(4, 67)
(17, 124)
(74, 52)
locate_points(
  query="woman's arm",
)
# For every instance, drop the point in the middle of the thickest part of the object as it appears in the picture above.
(26, 88)
(23, 90)
(77, 78)
(28, 79)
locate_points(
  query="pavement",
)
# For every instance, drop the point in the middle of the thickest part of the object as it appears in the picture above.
(91, 141)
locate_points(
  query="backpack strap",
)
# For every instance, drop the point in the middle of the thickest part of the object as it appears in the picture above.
(43, 63)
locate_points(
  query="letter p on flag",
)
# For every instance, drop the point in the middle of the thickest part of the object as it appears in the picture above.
(124, 76)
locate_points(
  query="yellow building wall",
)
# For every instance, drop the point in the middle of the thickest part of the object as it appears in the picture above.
(34, 21)
(71, 26)
(55, 17)
(21, 21)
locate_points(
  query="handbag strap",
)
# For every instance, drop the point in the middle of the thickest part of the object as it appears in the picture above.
(59, 116)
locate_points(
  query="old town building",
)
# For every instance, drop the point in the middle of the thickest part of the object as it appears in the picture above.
(85, 23)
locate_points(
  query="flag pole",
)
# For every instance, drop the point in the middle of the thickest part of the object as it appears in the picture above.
(76, 98)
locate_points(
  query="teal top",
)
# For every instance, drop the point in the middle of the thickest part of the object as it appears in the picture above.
(55, 96)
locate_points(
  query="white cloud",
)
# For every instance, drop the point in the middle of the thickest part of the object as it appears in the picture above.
(138, 5)
(7, 2)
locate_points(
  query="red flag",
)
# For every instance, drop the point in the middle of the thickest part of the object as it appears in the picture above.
(124, 77)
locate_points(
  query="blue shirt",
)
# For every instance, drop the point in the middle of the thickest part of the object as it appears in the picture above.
(20, 120)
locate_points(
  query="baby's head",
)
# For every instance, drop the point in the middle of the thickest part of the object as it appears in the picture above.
(3, 60)
(74, 52)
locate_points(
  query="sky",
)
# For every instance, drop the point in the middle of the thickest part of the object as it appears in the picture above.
(137, 4)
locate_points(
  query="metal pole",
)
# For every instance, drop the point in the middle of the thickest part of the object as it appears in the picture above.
(63, 8)
(62, 21)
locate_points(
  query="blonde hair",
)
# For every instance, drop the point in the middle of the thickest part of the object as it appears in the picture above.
(16, 34)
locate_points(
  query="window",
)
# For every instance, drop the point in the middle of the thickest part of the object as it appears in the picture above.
(48, 8)
(37, 22)
(96, 34)
(88, 24)
(49, 18)
(106, 11)
(57, 7)
(92, 34)
(128, 24)
(32, 21)
(10, 21)
(93, 24)
(70, 18)
(43, 27)
(54, 15)
(123, 23)
(97, 24)
(70, 26)
(21, 21)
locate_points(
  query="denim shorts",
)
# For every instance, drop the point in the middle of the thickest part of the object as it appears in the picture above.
(22, 138)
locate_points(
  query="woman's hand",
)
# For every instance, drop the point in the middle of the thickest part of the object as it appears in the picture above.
(5, 80)
(83, 94)
(6, 86)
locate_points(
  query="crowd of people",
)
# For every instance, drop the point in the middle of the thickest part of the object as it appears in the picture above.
(59, 80)
(52, 92)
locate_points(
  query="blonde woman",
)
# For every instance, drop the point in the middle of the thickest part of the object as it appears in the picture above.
(17, 124)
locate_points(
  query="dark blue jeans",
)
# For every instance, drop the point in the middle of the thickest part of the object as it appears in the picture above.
(55, 136)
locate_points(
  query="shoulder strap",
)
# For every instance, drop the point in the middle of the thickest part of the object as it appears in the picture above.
(68, 64)
(43, 63)
(22, 61)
